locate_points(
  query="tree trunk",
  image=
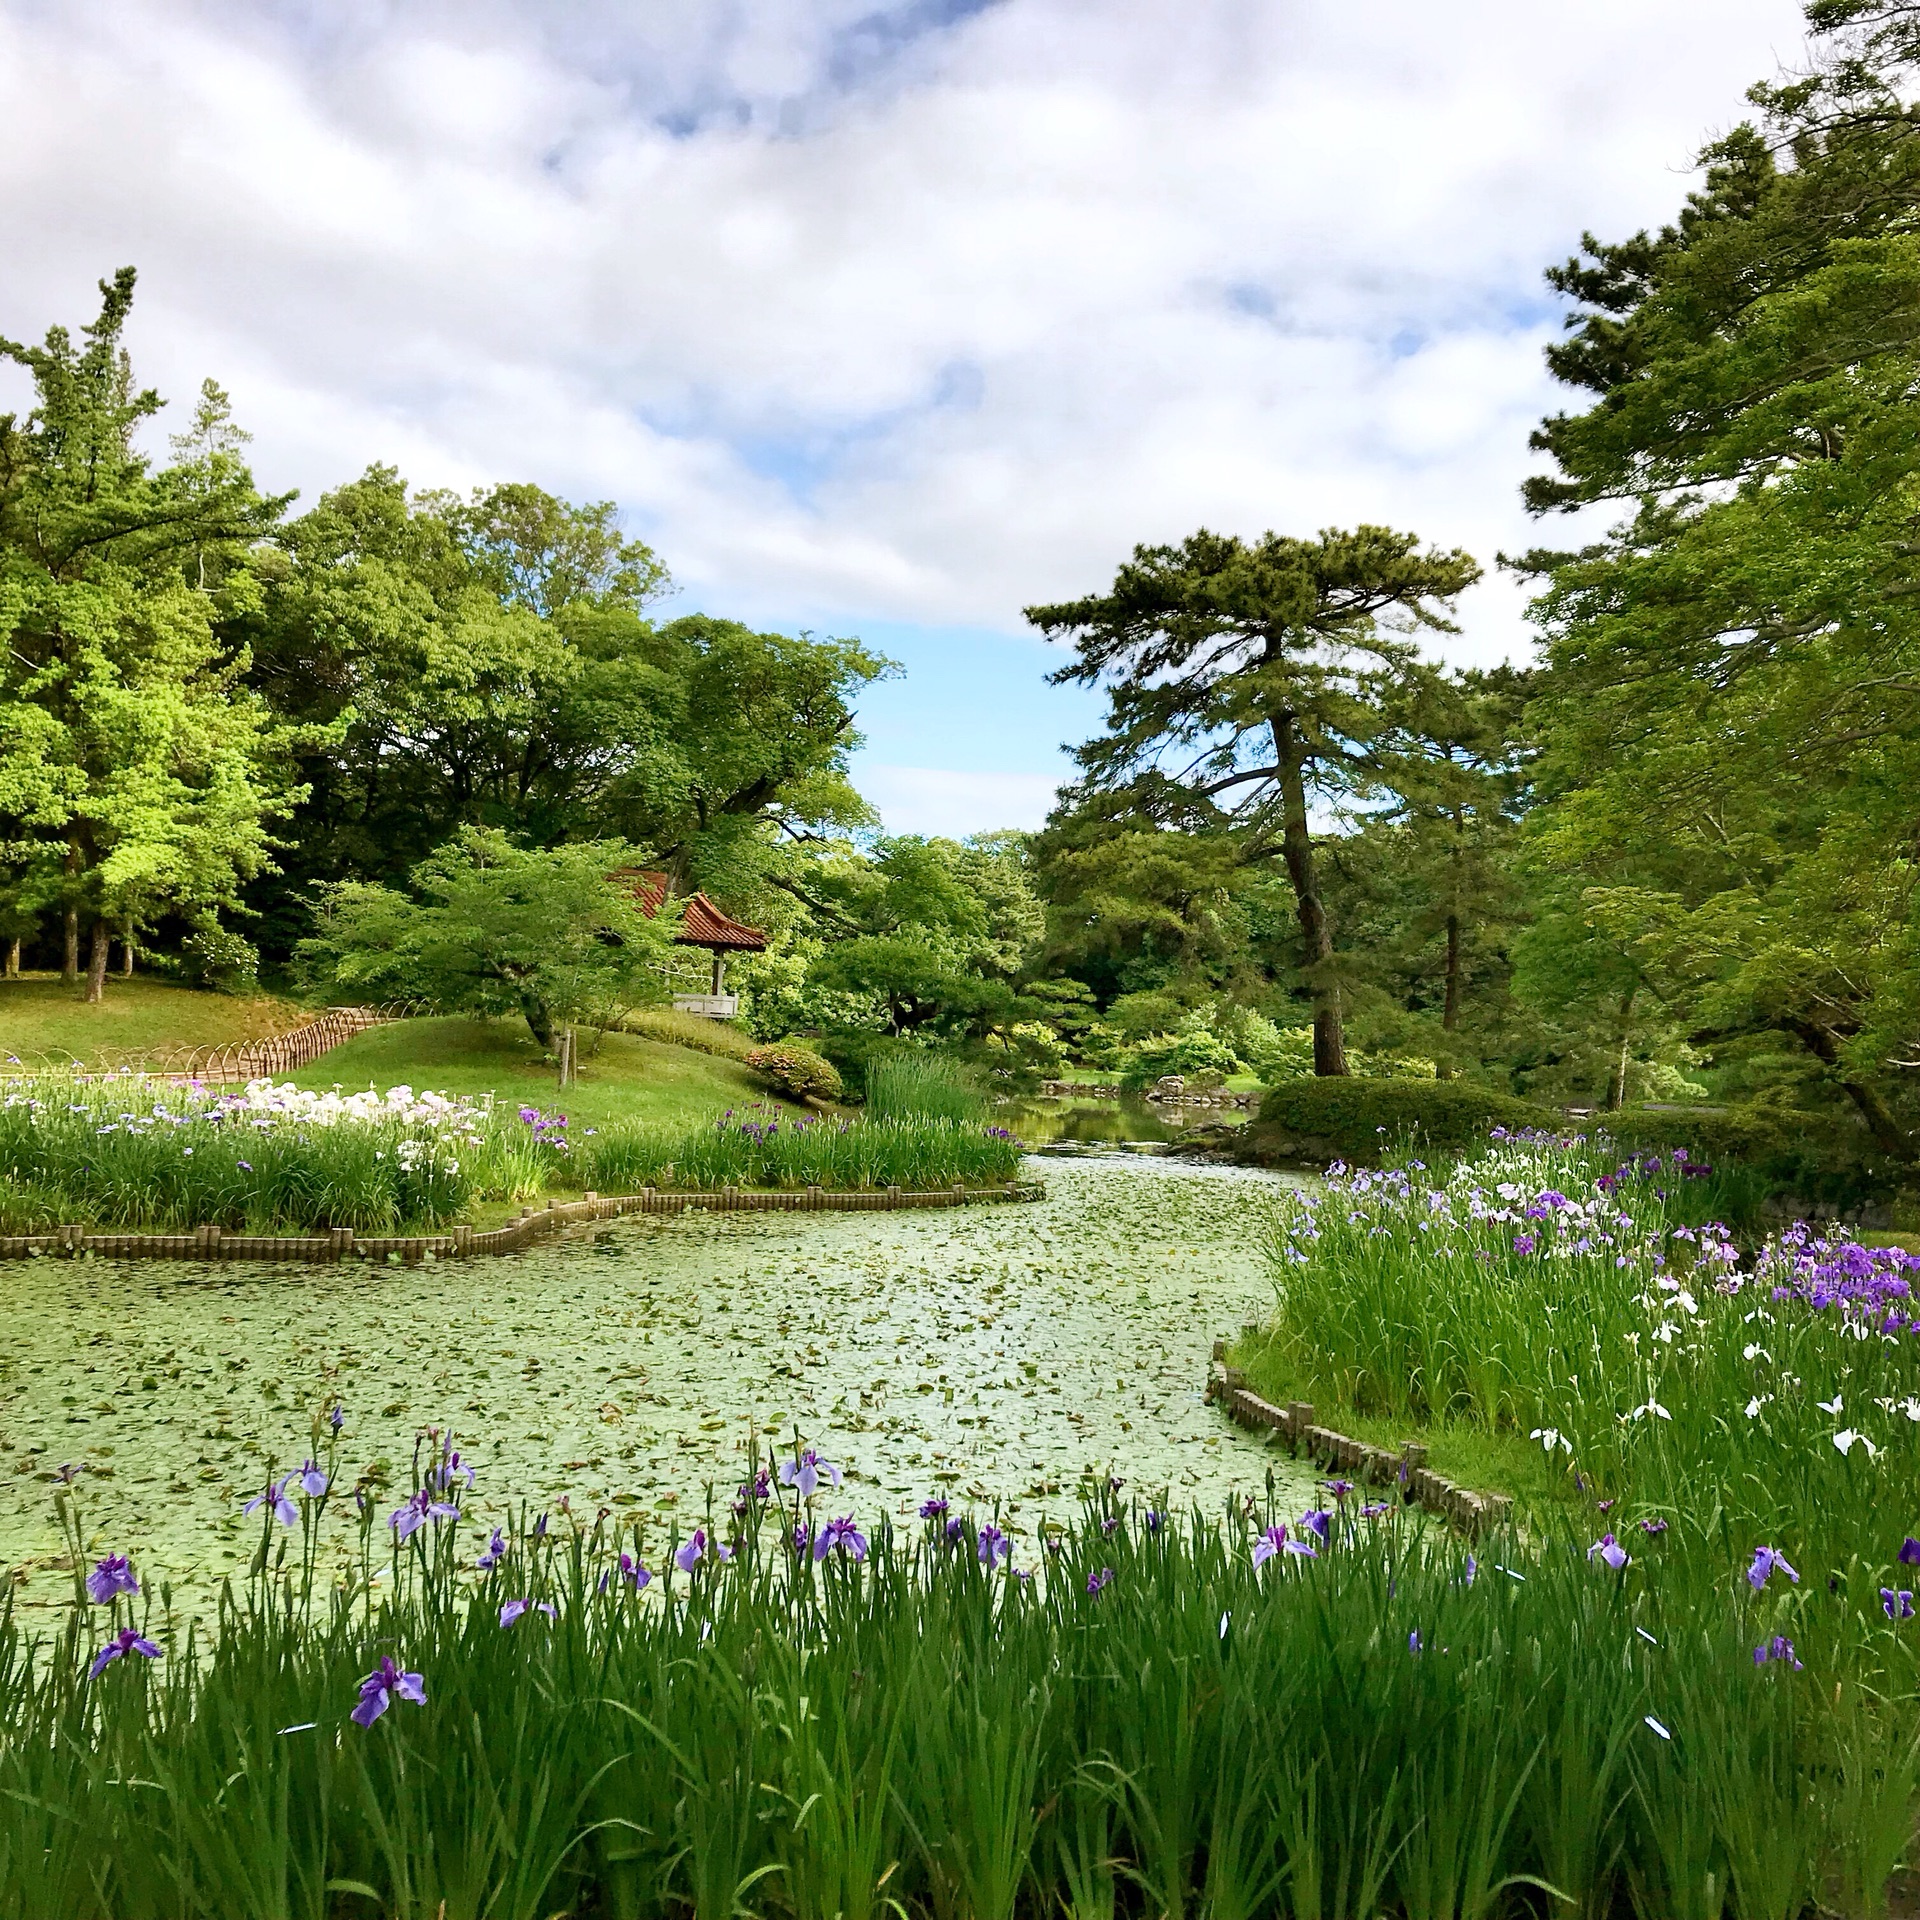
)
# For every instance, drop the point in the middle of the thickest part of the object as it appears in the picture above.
(70, 965)
(1296, 847)
(1886, 1130)
(126, 951)
(1617, 1080)
(539, 1020)
(97, 963)
(13, 959)
(1450, 1007)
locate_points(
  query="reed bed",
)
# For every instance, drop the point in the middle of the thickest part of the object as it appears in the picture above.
(128, 1151)
(1334, 1714)
(1601, 1308)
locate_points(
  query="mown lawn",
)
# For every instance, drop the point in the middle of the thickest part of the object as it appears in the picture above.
(43, 1021)
(628, 1078)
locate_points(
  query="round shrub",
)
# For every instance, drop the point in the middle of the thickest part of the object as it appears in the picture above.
(1182, 1053)
(798, 1072)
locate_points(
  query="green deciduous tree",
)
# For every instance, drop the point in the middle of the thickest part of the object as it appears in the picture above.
(1245, 686)
(137, 772)
(498, 929)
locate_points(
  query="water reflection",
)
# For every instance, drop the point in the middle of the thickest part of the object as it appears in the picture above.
(1132, 1120)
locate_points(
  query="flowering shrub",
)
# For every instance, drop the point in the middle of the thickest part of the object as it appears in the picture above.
(798, 1072)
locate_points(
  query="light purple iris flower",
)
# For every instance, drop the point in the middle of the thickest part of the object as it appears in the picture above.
(408, 1520)
(515, 1608)
(1653, 1525)
(1767, 1561)
(382, 1687)
(1610, 1550)
(633, 1573)
(110, 1577)
(1375, 1511)
(1275, 1540)
(449, 1470)
(805, 1474)
(841, 1536)
(1097, 1581)
(1339, 1488)
(124, 1642)
(1897, 1602)
(1778, 1648)
(934, 1509)
(993, 1547)
(276, 1498)
(692, 1552)
(496, 1551)
(312, 1479)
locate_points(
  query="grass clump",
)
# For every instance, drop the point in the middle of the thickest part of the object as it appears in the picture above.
(923, 1086)
(765, 1146)
(790, 1711)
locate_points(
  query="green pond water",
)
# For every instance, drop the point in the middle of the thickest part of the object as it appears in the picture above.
(1129, 1120)
(992, 1353)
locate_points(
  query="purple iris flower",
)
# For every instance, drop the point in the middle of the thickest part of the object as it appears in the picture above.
(382, 1687)
(1909, 1554)
(934, 1509)
(1610, 1550)
(1778, 1648)
(124, 1642)
(1653, 1525)
(110, 1577)
(496, 1551)
(275, 1497)
(515, 1608)
(245, 1166)
(1339, 1488)
(408, 1520)
(993, 1547)
(1275, 1540)
(1414, 1643)
(337, 1418)
(452, 1468)
(689, 1555)
(956, 1532)
(1155, 1521)
(1766, 1562)
(312, 1479)
(1108, 1524)
(805, 1474)
(631, 1571)
(1898, 1603)
(1375, 1511)
(802, 1538)
(540, 1528)
(841, 1536)
(1097, 1581)
(1318, 1522)
(1523, 1243)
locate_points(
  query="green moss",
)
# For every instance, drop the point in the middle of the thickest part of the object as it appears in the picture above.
(1354, 1119)
(626, 1078)
(45, 1022)
(1461, 1450)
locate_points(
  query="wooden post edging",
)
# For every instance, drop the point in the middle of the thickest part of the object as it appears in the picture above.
(1407, 1470)
(343, 1243)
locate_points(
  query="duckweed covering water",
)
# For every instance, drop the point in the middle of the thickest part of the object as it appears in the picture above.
(993, 1352)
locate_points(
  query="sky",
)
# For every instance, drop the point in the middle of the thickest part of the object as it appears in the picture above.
(875, 317)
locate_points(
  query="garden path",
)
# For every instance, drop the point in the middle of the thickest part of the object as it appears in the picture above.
(989, 1353)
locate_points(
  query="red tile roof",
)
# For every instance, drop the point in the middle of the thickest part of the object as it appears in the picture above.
(701, 925)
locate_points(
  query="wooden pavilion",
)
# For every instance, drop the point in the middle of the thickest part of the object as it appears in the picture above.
(702, 924)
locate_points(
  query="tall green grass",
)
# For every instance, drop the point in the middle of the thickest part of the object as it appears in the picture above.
(923, 1086)
(768, 1146)
(132, 1152)
(1545, 1289)
(1137, 1721)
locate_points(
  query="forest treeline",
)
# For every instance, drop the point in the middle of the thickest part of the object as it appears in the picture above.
(1670, 857)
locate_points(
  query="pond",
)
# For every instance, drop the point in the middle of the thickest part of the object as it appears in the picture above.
(994, 1354)
(1130, 1120)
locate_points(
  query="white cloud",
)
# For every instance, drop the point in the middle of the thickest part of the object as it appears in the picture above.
(937, 800)
(906, 309)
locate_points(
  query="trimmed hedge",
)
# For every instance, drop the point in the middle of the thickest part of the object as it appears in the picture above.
(1358, 1120)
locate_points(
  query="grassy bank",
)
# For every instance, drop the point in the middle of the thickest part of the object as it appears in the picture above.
(629, 1078)
(1543, 1293)
(123, 1152)
(42, 1019)
(788, 1712)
